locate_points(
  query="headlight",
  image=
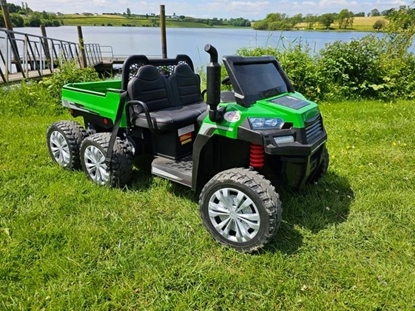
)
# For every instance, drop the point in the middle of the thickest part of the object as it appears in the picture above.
(265, 123)
(283, 139)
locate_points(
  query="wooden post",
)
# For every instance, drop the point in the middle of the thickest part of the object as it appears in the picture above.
(6, 15)
(45, 44)
(163, 31)
(82, 56)
(10, 34)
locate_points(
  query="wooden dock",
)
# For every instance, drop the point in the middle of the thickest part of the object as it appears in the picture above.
(106, 66)
(25, 56)
(32, 75)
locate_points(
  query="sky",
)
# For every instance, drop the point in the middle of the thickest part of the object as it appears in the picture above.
(250, 9)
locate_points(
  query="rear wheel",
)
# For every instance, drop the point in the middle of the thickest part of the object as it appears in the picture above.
(240, 209)
(93, 158)
(64, 139)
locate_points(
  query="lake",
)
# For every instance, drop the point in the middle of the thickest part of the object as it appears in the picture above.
(191, 41)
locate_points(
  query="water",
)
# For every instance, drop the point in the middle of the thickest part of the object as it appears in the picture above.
(191, 41)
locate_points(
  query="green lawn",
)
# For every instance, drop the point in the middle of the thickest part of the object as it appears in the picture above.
(347, 243)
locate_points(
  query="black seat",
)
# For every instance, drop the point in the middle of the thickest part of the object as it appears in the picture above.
(171, 103)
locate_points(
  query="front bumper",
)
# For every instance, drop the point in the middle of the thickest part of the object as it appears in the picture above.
(297, 162)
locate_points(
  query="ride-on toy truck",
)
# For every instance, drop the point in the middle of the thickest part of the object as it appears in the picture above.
(234, 148)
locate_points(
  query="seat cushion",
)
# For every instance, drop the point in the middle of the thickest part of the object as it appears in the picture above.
(172, 117)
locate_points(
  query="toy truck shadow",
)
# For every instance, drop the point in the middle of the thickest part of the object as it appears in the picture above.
(262, 134)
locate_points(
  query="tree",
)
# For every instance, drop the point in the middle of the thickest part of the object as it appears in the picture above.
(379, 24)
(296, 19)
(128, 12)
(387, 12)
(17, 20)
(13, 8)
(345, 18)
(310, 19)
(33, 20)
(375, 12)
(360, 14)
(260, 25)
(326, 20)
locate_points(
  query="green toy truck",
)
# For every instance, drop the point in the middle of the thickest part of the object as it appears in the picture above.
(233, 148)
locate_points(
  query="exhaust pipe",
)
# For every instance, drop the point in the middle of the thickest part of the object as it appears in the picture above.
(213, 73)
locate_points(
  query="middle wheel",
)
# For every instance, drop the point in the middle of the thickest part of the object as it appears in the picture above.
(93, 152)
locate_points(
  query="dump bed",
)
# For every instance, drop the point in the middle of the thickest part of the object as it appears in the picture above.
(98, 98)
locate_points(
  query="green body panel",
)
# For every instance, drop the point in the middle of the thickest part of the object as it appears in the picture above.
(262, 109)
(100, 98)
(103, 98)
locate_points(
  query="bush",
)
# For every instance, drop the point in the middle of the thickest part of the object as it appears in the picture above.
(43, 98)
(352, 69)
(69, 72)
(367, 68)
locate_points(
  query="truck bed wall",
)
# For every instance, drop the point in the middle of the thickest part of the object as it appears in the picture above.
(100, 98)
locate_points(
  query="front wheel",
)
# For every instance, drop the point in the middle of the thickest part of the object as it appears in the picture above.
(240, 209)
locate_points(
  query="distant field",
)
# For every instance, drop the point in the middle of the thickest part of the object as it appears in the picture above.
(359, 23)
(116, 20)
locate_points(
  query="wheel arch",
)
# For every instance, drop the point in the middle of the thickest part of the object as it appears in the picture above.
(215, 153)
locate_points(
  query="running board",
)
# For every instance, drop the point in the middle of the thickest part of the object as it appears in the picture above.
(179, 171)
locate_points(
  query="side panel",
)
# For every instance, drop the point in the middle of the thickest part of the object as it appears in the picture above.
(96, 98)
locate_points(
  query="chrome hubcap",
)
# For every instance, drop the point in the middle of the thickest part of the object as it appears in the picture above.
(234, 215)
(60, 148)
(95, 165)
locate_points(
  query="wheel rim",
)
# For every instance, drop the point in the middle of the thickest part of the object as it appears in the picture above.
(60, 148)
(95, 165)
(234, 215)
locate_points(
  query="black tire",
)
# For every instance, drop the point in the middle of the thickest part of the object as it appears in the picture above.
(322, 169)
(93, 152)
(64, 139)
(262, 204)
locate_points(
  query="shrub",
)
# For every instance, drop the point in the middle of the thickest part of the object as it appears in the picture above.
(379, 24)
(352, 69)
(69, 72)
(43, 98)
(368, 68)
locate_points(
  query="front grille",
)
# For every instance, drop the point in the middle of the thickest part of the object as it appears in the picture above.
(314, 127)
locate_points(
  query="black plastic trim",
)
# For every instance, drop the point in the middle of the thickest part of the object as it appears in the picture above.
(200, 141)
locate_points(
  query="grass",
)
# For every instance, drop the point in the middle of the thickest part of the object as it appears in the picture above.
(346, 243)
(116, 20)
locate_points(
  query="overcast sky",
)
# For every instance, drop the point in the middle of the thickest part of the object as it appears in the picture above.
(212, 8)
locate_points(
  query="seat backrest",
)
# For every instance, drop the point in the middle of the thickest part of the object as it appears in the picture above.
(150, 87)
(186, 85)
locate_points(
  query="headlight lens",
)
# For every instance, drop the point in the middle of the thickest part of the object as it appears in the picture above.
(283, 139)
(266, 123)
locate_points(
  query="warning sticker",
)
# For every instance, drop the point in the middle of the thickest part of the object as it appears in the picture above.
(232, 116)
(186, 138)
